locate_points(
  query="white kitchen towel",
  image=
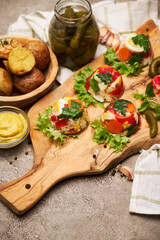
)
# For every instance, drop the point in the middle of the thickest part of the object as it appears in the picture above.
(145, 196)
(122, 17)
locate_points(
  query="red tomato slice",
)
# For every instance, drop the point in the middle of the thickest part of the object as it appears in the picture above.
(117, 47)
(116, 75)
(53, 118)
(87, 86)
(130, 119)
(156, 83)
(62, 122)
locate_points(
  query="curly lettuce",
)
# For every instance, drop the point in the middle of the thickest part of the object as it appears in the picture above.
(102, 135)
(43, 124)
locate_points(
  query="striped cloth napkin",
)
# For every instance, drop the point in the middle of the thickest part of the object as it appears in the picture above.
(145, 196)
(119, 15)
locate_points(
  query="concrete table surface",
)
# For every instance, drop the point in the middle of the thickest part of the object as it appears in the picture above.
(81, 208)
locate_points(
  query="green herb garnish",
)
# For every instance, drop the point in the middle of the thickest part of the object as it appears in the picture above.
(123, 68)
(79, 87)
(43, 124)
(68, 112)
(148, 103)
(136, 58)
(149, 90)
(102, 135)
(106, 78)
(143, 41)
(139, 96)
(131, 130)
(75, 104)
(4, 42)
(94, 85)
(120, 106)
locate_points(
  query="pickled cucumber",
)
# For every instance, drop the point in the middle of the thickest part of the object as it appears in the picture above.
(74, 37)
(75, 41)
(154, 67)
(69, 13)
(152, 123)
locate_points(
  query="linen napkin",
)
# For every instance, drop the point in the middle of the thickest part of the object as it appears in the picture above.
(145, 196)
(122, 17)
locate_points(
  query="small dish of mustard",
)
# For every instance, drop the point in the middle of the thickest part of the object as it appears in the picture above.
(14, 126)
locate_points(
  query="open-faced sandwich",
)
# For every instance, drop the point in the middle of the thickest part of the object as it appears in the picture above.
(69, 115)
(135, 48)
(121, 117)
(130, 56)
(119, 120)
(105, 84)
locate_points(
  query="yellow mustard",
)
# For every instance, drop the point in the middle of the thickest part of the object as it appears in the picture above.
(12, 126)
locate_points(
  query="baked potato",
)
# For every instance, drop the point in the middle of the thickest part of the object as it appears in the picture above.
(6, 83)
(6, 46)
(30, 81)
(40, 52)
(5, 63)
(21, 61)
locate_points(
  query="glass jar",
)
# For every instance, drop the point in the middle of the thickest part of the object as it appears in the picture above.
(73, 33)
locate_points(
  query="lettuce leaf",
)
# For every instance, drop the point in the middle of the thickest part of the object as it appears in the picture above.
(102, 135)
(148, 103)
(43, 124)
(79, 87)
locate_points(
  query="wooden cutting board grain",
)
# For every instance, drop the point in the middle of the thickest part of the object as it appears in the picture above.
(53, 163)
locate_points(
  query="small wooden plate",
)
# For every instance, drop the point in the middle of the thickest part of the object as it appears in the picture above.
(50, 73)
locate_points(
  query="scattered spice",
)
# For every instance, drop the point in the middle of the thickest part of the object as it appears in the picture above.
(26, 153)
(113, 172)
(15, 158)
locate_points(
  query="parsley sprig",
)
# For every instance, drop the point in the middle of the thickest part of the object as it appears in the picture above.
(143, 41)
(120, 106)
(68, 112)
(94, 85)
(106, 78)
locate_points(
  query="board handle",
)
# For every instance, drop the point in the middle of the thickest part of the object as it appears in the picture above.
(23, 193)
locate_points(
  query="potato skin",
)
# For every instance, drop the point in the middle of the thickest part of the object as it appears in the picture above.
(21, 61)
(40, 52)
(30, 81)
(6, 83)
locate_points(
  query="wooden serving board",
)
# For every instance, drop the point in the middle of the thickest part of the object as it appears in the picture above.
(54, 163)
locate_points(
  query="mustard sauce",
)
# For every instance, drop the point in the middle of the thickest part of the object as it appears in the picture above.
(12, 126)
